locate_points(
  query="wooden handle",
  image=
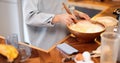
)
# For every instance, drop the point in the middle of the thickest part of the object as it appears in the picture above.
(68, 11)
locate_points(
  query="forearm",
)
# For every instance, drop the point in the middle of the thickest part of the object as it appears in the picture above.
(40, 20)
(35, 17)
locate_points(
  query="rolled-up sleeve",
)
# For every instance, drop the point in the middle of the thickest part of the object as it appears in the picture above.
(35, 17)
(40, 19)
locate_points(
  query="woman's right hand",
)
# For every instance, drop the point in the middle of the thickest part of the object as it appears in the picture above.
(63, 18)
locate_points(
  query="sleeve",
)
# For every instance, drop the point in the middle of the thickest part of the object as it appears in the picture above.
(35, 17)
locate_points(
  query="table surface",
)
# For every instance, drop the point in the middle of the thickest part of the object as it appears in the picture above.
(56, 56)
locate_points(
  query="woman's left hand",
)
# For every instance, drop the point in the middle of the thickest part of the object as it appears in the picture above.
(81, 15)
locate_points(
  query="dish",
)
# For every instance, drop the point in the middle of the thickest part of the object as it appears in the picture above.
(109, 22)
(86, 31)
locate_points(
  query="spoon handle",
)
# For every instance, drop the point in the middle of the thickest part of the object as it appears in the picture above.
(69, 12)
(67, 9)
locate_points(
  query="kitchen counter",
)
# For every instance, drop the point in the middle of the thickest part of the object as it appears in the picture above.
(106, 7)
(56, 56)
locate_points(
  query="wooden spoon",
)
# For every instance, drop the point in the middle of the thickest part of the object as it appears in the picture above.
(68, 11)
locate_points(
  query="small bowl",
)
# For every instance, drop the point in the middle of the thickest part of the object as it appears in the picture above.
(109, 22)
(86, 36)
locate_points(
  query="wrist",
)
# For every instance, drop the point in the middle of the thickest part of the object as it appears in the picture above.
(55, 19)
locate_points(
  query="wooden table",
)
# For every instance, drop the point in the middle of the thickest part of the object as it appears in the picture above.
(55, 55)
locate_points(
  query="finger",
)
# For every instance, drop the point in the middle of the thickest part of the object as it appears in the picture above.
(68, 21)
(86, 17)
(73, 19)
(79, 14)
(75, 12)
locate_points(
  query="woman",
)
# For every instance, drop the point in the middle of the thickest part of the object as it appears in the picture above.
(46, 21)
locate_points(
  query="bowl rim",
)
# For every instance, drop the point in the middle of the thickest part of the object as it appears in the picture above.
(95, 22)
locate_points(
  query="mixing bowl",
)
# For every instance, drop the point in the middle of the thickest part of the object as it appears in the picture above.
(86, 31)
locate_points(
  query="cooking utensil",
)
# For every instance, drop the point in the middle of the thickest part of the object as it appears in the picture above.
(69, 12)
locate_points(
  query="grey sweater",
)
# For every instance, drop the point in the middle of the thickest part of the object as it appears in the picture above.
(38, 29)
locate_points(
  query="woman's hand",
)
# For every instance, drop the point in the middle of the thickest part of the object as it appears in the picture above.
(81, 15)
(68, 19)
(63, 18)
